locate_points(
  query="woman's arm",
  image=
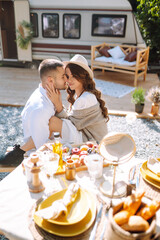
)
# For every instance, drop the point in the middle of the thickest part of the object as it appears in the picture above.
(62, 114)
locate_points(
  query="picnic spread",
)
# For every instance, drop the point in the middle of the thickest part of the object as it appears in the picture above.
(82, 193)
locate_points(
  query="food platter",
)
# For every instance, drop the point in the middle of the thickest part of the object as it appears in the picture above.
(76, 153)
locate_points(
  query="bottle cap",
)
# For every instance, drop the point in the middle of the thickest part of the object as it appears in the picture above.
(56, 134)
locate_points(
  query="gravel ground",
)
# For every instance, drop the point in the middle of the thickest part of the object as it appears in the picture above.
(145, 132)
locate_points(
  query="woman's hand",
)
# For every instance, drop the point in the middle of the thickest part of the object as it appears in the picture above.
(55, 96)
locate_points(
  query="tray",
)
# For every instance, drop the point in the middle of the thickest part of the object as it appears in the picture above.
(78, 169)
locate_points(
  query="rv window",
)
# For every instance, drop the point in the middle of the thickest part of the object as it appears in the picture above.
(34, 21)
(71, 26)
(50, 25)
(108, 25)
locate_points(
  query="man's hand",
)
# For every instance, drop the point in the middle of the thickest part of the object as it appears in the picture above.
(55, 97)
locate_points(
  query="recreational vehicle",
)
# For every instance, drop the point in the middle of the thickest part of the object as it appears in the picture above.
(63, 28)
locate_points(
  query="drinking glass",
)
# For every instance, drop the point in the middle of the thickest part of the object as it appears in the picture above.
(51, 161)
(94, 162)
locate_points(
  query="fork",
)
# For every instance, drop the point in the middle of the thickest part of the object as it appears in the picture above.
(106, 219)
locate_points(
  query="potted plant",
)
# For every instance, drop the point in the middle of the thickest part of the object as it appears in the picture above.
(153, 95)
(138, 97)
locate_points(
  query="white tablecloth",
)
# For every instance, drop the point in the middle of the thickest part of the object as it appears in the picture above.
(16, 200)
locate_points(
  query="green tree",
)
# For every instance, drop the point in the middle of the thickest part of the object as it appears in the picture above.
(148, 17)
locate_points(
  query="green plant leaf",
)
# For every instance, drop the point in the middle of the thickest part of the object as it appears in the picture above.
(23, 41)
(138, 96)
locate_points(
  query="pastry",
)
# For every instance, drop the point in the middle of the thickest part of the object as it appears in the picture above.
(136, 224)
(133, 202)
(149, 211)
(121, 217)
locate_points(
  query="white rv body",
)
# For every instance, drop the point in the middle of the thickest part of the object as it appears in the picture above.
(87, 12)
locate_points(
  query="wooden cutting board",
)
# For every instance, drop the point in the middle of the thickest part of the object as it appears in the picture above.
(81, 168)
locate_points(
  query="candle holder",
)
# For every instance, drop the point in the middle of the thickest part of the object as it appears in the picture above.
(116, 148)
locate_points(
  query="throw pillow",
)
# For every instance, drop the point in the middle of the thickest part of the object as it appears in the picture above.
(131, 56)
(116, 52)
(104, 51)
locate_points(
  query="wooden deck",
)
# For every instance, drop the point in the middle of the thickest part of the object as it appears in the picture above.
(17, 84)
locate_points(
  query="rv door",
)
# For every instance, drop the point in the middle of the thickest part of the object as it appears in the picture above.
(21, 9)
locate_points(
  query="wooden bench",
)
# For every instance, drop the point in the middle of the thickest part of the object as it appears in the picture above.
(139, 69)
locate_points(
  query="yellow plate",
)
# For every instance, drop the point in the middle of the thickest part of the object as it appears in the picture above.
(69, 231)
(75, 213)
(149, 180)
(150, 173)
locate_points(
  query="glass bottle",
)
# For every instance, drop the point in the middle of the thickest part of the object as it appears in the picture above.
(57, 148)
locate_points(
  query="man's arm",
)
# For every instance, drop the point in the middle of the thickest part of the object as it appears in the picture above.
(28, 145)
(39, 125)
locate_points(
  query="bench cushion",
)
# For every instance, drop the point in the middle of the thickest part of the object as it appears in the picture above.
(131, 56)
(104, 51)
(116, 52)
(119, 61)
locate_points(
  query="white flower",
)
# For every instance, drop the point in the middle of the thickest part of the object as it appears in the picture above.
(153, 95)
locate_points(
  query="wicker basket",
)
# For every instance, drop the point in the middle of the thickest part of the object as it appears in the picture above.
(117, 233)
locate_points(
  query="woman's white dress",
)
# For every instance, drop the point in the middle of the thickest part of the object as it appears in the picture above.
(69, 131)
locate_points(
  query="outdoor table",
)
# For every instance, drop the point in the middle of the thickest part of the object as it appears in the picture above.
(16, 201)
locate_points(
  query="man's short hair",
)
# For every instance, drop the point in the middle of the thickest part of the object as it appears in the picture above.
(48, 65)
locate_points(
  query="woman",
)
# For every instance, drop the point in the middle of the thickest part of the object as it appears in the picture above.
(87, 117)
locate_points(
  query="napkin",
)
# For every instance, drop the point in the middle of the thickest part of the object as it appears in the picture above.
(60, 206)
(154, 165)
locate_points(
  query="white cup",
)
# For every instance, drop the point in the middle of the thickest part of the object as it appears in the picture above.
(46, 156)
(51, 164)
(94, 163)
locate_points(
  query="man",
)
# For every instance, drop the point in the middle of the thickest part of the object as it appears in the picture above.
(37, 111)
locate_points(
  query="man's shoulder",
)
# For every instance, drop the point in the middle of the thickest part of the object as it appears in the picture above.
(38, 108)
(38, 100)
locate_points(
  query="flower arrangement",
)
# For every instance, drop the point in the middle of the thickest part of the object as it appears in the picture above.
(153, 95)
(25, 34)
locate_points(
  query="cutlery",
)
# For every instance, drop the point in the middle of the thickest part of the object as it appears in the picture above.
(106, 220)
(132, 181)
(98, 217)
(104, 226)
(138, 176)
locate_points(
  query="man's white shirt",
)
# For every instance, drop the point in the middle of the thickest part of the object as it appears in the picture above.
(35, 117)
